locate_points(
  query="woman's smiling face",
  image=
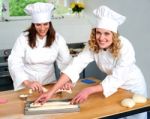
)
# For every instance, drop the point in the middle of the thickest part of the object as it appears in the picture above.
(42, 29)
(104, 38)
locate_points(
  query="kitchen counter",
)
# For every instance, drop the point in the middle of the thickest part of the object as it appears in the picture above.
(97, 106)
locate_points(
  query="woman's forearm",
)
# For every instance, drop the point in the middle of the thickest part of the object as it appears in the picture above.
(95, 89)
(61, 81)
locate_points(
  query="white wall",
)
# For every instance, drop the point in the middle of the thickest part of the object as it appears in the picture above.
(69, 27)
(135, 28)
(9, 31)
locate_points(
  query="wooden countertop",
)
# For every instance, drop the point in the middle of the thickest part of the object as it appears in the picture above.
(97, 106)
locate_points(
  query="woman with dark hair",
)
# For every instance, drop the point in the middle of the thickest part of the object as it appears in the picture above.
(31, 62)
(113, 54)
(33, 30)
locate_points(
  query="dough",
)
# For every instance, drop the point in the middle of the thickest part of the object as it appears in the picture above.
(49, 104)
(128, 102)
(44, 89)
(35, 104)
(139, 98)
(23, 96)
(61, 90)
(52, 106)
(30, 91)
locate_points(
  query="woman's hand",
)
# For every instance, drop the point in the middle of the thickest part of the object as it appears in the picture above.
(67, 86)
(81, 96)
(43, 98)
(34, 85)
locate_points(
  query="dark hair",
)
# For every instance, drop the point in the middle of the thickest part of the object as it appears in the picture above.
(32, 35)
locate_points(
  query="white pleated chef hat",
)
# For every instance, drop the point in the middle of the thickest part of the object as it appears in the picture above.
(40, 12)
(108, 19)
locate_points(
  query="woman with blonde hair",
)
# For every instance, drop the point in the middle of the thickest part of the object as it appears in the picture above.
(113, 55)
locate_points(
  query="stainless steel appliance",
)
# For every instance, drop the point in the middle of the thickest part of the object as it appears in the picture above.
(6, 82)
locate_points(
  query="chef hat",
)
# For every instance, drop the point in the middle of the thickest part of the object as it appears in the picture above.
(40, 12)
(108, 19)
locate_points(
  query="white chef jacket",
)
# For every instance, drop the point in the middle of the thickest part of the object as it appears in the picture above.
(121, 73)
(37, 64)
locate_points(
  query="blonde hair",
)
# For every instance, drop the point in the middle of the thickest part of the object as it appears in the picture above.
(114, 48)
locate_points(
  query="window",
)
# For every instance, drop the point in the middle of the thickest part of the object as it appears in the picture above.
(14, 9)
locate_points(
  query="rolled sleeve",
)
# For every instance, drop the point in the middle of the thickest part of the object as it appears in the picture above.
(78, 64)
(72, 74)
